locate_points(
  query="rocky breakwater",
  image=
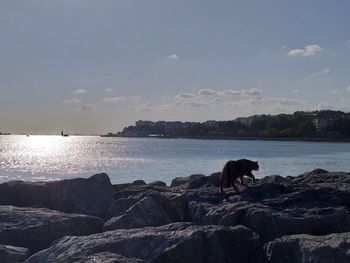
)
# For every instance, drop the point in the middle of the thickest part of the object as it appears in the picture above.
(294, 219)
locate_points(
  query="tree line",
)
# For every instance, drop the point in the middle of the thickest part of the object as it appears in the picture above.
(300, 124)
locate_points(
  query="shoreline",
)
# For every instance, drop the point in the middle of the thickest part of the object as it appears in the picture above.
(308, 139)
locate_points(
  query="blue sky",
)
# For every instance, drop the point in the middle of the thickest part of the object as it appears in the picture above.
(96, 66)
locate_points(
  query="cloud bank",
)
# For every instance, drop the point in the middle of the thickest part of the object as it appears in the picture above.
(307, 51)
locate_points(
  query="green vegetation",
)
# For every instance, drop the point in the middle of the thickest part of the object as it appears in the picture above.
(315, 124)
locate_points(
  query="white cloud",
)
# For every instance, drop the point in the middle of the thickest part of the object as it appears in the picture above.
(79, 91)
(296, 52)
(309, 50)
(87, 107)
(244, 92)
(121, 99)
(324, 71)
(207, 92)
(134, 98)
(296, 91)
(185, 96)
(212, 98)
(114, 99)
(252, 92)
(72, 100)
(109, 90)
(144, 107)
(230, 92)
(173, 57)
(210, 94)
(198, 104)
(268, 103)
(348, 88)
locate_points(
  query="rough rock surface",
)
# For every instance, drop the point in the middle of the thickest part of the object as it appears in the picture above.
(91, 196)
(104, 257)
(11, 254)
(154, 209)
(36, 228)
(278, 206)
(310, 249)
(306, 217)
(178, 242)
(129, 195)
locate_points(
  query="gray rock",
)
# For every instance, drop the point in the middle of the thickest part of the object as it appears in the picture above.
(132, 190)
(158, 183)
(104, 257)
(91, 196)
(11, 254)
(274, 179)
(192, 181)
(310, 249)
(321, 178)
(130, 195)
(36, 228)
(179, 242)
(122, 204)
(154, 209)
(213, 179)
(139, 182)
(273, 209)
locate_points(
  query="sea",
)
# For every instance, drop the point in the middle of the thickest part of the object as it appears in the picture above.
(44, 158)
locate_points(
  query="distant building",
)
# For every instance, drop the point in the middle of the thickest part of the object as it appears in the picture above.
(322, 123)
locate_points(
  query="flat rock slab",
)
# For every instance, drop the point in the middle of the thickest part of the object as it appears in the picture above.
(11, 254)
(178, 242)
(310, 249)
(36, 228)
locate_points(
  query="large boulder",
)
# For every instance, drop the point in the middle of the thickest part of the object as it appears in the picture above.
(273, 207)
(104, 257)
(178, 242)
(310, 249)
(91, 196)
(196, 181)
(158, 183)
(130, 194)
(138, 190)
(270, 223)
(322, 178)
(192, 181)
(36, 228)
(155, 209)
(11, 254)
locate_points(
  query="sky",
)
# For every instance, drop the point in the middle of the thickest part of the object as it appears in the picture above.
(96, 66)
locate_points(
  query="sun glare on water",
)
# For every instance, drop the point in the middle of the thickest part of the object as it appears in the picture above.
(44, 145)
(35, 154)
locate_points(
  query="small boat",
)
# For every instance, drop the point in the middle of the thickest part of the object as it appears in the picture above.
(64, 134)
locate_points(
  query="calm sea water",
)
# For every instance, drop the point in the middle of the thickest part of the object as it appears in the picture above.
(151, 159)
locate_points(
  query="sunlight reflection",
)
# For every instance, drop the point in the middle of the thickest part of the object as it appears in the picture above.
(43, 145)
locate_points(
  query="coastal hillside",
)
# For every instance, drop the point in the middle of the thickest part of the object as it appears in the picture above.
(309, 125)
(301, 219)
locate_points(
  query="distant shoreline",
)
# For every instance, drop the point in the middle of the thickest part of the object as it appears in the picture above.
(345, 140)
(318, 139)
